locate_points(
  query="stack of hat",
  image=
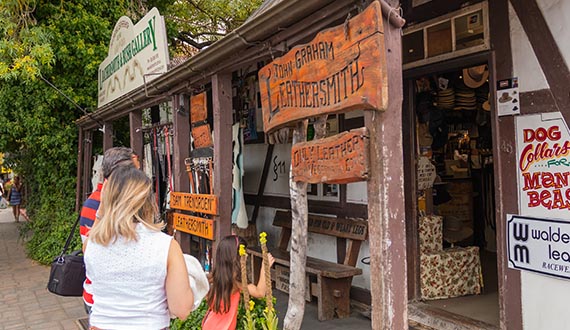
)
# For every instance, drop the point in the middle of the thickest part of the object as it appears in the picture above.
(465, 98)
(446, 98)
(482, 95)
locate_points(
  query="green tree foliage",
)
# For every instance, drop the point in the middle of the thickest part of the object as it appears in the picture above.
(62, 43)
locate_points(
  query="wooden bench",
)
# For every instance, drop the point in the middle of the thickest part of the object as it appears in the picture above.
(330, 282)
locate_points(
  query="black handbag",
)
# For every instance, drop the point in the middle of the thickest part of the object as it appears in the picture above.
(67, 271)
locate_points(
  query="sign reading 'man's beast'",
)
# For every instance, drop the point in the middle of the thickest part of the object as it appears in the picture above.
(340, 70)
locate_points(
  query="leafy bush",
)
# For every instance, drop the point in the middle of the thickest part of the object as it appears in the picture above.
(194, 320)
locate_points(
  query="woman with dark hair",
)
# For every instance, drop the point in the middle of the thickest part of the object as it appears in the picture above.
(225, 284)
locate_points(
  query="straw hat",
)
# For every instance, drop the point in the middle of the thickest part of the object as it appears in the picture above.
(505, 97)
(454, 231)
(475, 76)
(198, 280)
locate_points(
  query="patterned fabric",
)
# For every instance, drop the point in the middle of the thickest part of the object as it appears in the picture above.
(88, 213)
(450, 273)
(431, 233)
(15, 196)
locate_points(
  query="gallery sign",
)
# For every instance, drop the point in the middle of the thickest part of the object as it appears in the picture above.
(342, 158)
(137, 53)
(543, 165)
(539, 245)
(341, 69)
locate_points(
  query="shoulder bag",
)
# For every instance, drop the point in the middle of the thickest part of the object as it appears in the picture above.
(67, 271)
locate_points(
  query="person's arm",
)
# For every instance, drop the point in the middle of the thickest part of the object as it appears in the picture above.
(258, 291)
(178, 292)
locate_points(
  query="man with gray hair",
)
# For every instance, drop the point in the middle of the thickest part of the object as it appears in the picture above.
(112, 159)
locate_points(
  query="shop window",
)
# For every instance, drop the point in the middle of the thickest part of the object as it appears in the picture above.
(456, 34)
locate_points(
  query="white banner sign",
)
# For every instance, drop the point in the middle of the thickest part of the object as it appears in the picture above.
(137, 54)
(539, 245)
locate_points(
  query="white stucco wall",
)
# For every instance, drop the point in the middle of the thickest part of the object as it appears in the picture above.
(544, 299)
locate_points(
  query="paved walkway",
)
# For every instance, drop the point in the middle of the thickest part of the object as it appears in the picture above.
(25, 302)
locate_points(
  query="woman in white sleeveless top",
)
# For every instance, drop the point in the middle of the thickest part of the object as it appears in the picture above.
(139, 274)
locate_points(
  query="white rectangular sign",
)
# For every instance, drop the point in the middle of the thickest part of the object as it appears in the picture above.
(137, 53)
(539, 245)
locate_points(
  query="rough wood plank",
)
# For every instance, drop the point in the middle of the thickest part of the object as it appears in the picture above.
(342, 158)
(341, 69)
(386, 209)
(198, 107)
(201, 203)
(299, 209)
(339, 227)
(136, 133)
(78, 197)
(194, 225)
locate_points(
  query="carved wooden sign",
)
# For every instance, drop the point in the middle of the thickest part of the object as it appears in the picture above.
(198, 108)
(199, 203)
(340, 70)
(340, 227)
(342, 158)
(194, 225)
(202, 136)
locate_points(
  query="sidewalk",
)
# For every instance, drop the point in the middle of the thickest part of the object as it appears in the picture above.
(25, 302)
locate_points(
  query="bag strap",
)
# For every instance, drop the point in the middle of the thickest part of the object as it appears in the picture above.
(70, 236)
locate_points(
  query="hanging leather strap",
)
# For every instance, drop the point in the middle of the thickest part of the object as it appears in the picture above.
(70, 237)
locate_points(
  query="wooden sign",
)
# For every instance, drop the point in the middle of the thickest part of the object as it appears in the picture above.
(194, 225)
(198, 108)
(199, 203)
(202, 136)
(342, 158)
(340, 227)
(341, 69)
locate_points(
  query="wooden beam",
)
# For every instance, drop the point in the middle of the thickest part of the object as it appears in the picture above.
(136, 133)
(222, 104)
(87, 163)
(107, 136)
(501, 67)
(262, 183)
(547, 52)
(78, 198)
(386, 209)
(181, 142)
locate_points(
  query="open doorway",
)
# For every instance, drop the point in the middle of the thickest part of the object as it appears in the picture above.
(453, 189)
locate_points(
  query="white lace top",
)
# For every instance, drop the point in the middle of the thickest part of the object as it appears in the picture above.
(129, 282)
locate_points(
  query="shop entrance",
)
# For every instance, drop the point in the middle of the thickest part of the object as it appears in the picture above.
(452, 199)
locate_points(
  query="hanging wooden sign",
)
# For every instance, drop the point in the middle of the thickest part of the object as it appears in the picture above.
(202, 136)
(198, 108)
(194, 225)
(342, 158)
(341, 69)
(199, 203)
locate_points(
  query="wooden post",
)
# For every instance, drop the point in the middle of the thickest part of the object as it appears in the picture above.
(107, 136)
(87, 161)
(300, 214)
(136, 136)
(222, 103)
(386, 209)
(181, 141)
(78, 199)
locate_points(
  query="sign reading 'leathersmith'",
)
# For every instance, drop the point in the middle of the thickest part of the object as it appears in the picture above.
(342, 158)
(194, 225)
(199, 203)
(340, 70)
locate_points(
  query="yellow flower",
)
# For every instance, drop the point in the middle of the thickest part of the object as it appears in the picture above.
(251, 305)
(241, 250)
(263, 237)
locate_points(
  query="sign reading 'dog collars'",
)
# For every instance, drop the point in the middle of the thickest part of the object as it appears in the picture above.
(340, 70)
(194, 225)
(342, 158)
(136, 54)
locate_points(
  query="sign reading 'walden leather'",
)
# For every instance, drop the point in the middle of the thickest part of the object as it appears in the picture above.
(340, 70)
(194, 225)
(342, 158)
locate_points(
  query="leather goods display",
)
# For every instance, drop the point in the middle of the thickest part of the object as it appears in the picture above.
(67, 272)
